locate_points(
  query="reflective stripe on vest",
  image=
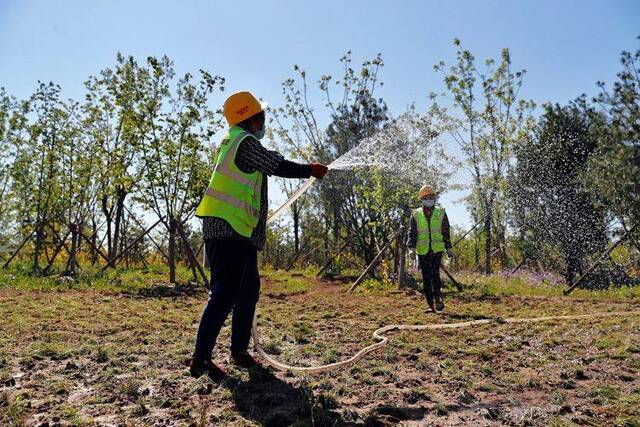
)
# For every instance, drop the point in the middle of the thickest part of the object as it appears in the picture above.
(232, 194)
(227, 198)
(429, 232)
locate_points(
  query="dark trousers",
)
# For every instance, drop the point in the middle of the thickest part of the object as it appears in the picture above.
(430, 267)
(235, 286)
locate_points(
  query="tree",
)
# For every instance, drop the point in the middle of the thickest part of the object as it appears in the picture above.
(109, 124)
(13, 125)
(489, 118)
(37, 168)
(355, 115)
(614, 169)
(175, 123)
(289, 186)
(553, 209)
(79, 183)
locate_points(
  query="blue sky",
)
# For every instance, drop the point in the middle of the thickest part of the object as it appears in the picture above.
(566, 46)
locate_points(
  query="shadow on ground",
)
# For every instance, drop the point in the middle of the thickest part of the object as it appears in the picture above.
(163, 290)
(269, 401)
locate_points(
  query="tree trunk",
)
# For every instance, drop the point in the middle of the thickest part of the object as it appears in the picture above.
(172, 250)
(326, 238)
(72, 262)
(121, 195)
(38, 246)
(476, 248)
(94, 242)
(396, 257)
(402, 258)
(336, 225)
(123, 238)
(487, 243)
(107, 216)
(187, 259)
(296, 226)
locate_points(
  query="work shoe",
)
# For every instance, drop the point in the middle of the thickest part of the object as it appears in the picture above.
(439, 303)
(200, 368)
(245, 360)
(430, 306)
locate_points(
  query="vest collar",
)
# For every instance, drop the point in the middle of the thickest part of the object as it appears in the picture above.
(235, 130)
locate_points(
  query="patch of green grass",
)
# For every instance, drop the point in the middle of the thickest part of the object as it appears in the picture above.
(130, 388)
(441, 409)
(13, 408)
(102, 355)
(49, 350)
(629, 403)
(605, 393)
(302, 332)
(498, 285)
(60, 387)
(488, 370)
(135, 280)
(626, 421)
(287, 283)
(375, 285)
(272, 346)
(506, 286)
(620, 353)
(330, 356)
(70, 414)
(486, 387)
(140, 410)
(418, 395)
(607, 342)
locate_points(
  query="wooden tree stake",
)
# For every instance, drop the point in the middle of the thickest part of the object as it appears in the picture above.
(600, 259)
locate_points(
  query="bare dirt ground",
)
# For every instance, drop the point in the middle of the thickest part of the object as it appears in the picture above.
(96, 358)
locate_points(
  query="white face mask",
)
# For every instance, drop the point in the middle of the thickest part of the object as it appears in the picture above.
(428, 203)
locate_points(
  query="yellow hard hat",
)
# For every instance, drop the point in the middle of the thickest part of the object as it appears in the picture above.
(426, 190)
(240, 106)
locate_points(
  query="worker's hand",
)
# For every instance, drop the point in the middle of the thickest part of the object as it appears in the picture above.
(450, 253)
(318, 170)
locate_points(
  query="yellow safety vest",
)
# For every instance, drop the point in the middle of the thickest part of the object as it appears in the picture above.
(429, 232)
(232, 194)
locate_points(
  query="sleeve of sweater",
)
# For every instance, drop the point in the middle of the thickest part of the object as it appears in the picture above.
(412, 236)
(446, 232)
(253, 156)
(289, 169)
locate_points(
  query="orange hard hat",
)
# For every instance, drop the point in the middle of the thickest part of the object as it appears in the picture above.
(426, 191)
(240, 106)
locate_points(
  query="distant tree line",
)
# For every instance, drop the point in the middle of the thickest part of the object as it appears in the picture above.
(114, 178)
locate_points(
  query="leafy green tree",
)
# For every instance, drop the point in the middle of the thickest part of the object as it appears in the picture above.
(37, 172)
(175, 124)
(79, 182)
(553, 209)
(110, 127)
(355, 114)
(488, 118)
(13, 126)
(614, 169)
